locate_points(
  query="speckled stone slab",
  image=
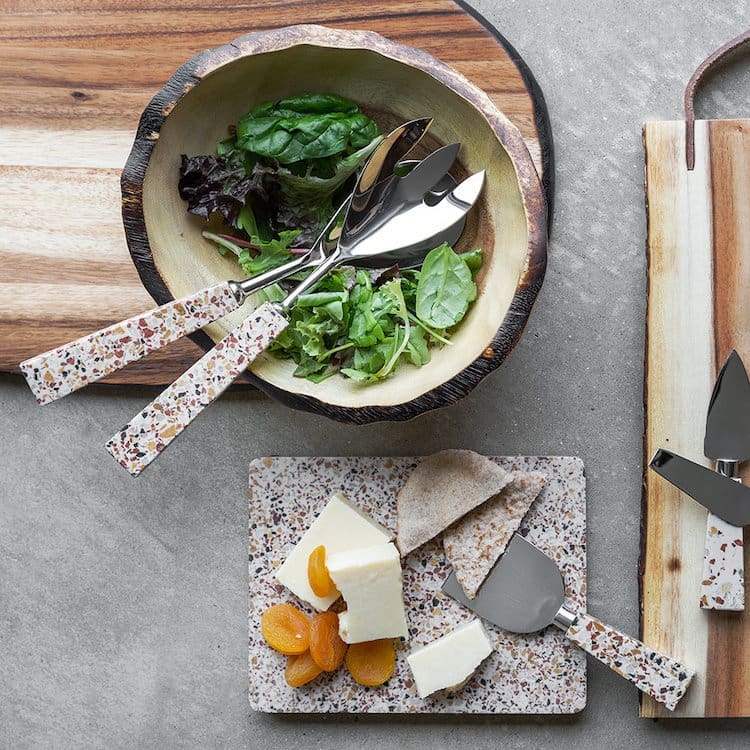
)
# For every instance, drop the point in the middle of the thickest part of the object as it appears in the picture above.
(526, 674)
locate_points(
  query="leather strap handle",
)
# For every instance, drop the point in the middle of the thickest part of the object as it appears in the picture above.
(693, 84)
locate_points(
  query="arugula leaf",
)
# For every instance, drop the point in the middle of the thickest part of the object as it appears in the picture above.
(263, 256)
(445, 288)
(417, 347)
(393, 291)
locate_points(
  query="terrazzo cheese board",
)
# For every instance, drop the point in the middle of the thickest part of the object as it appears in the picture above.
(540, 673)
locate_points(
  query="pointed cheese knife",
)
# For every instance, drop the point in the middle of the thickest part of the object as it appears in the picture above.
(525, 593)
(727, 442)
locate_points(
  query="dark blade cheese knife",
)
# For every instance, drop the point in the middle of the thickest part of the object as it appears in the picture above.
(524, 593)
(727, 442)
(726, 499)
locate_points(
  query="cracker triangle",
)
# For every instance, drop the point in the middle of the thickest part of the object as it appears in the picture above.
(474, 544)
(442, 488)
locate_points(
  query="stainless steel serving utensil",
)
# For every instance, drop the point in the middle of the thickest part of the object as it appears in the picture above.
(525, 593)
(143, 438)
(72, 366)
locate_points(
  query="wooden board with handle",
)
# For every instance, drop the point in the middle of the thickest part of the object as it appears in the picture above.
(698, 311)
(74, 83)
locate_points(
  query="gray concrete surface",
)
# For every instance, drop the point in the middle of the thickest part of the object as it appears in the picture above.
(123, 603)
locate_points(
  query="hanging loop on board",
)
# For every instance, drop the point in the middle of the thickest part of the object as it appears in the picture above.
(693, 84)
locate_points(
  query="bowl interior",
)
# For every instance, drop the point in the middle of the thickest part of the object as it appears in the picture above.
(391, 92)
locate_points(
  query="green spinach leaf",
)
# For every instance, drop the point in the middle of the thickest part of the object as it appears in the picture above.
(445, 288)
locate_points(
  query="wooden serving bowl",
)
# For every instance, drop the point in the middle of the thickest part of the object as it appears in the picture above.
(392, 83)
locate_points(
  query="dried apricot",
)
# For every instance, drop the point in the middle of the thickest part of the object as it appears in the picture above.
(286, 629)
(326, 647)
(371, 663)
(317, 573)
(301, 669)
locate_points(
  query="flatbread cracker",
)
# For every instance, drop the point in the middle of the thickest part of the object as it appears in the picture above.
(474, 543)
(442, 488)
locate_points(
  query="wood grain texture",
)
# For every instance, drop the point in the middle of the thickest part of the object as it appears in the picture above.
(698, 308)
(82, 76)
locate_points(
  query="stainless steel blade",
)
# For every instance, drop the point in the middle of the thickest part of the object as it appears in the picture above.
(413, 183)
(728, 419)
(425, 175)
(426, 224)
(725, 498)
(522, 593)
(378, 173)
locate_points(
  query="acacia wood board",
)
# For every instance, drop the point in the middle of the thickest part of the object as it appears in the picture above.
(74, 82)
(698, 311)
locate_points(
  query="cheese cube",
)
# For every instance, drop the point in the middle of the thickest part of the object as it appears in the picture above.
(341, 526)
(370, 581)
(451, 660)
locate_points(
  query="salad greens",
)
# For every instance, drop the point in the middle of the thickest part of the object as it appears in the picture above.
(284, 166)
(276, 181)
(362, 327)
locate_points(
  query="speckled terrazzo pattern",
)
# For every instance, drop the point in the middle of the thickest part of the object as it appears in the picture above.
(541, 673)
(140, 441)
(61, 371)
(474, 543)
(723, 581)
(659, 676)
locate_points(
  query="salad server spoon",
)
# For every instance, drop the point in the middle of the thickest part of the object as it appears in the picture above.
(72, 366)
(140, 441)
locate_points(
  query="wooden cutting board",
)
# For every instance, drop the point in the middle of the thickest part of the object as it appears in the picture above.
(535, 673)
(73, 84)
(698, 311)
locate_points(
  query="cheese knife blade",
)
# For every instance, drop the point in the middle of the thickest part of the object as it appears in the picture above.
(726, 499)
(728, 419)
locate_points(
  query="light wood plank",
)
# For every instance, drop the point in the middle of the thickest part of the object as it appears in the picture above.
(679, 315)
(699, 305)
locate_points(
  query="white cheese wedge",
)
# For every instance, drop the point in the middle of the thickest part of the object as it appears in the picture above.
(451, 660)
(340, 527)
(369, 579)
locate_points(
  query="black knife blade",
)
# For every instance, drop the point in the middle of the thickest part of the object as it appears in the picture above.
(728, 419)
(725, 498)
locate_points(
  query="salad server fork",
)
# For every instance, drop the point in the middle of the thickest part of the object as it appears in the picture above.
(72, 366)
(140, 441)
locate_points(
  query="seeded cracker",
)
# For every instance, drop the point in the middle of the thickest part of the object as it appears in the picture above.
(442, 489)
(474, 543)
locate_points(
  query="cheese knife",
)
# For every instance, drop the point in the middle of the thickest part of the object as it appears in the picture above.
(525, 593)
(727, 442)
(726, 499)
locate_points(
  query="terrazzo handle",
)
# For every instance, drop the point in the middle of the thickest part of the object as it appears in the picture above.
(723, 582)
(61, 371)
(664, 679)
(140, 441)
